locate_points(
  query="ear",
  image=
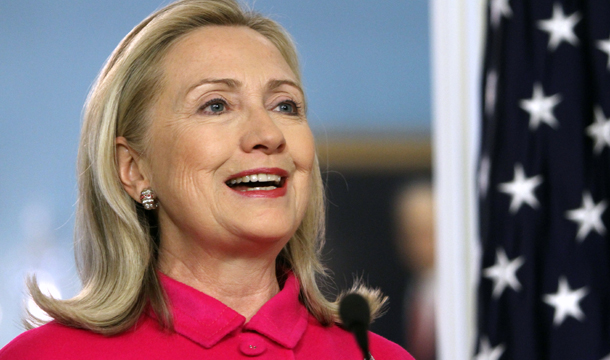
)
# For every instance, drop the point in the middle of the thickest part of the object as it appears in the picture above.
(130, 169)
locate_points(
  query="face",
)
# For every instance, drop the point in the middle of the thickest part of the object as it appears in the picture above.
(231, 155)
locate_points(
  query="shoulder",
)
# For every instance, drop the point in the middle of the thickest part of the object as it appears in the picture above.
(335, 338)
(382, 348)
(53, 341)
(42, 342)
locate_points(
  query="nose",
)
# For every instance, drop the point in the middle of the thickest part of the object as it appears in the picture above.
(262, 133)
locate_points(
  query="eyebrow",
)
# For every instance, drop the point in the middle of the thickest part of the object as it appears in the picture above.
(232, 83)
(274, 84)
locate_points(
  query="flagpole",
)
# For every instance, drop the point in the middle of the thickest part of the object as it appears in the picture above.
(456, 28)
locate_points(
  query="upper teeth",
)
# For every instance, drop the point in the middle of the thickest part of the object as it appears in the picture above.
(256, 178)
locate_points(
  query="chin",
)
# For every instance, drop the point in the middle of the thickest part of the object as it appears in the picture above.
(270, 232)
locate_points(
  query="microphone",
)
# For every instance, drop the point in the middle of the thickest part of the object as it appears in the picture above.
(356, 316)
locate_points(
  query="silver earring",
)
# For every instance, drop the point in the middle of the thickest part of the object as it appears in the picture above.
(149, 199)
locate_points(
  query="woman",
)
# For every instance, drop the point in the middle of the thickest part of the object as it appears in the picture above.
(200, 213)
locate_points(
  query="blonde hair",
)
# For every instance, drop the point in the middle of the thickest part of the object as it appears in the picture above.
(116, 241)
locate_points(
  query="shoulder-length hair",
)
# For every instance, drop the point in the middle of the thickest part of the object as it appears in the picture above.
(116, 241)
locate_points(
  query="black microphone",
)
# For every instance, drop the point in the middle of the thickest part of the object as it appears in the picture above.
(356, 316)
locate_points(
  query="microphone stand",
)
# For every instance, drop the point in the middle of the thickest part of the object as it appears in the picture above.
(356, 316)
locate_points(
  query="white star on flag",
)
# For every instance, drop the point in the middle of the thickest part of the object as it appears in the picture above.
(541, 107)
(521, 189)
(566, 302)
(504, 273)
(588, 217)
(497, 9)
(486, 352)
(604, 45)
(599, 131)
(490, 92)
(484, 169)
(560, 27)
(607, 357)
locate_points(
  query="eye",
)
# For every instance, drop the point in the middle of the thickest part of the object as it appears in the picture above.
(214, 107)
(288, 107)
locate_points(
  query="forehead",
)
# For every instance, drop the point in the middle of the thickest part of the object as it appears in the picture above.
(233, 52)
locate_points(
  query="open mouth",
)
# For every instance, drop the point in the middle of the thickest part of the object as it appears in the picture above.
(257, 182)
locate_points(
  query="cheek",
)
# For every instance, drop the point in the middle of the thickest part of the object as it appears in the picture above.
(302, 147)
(302, 150)
(186, 160)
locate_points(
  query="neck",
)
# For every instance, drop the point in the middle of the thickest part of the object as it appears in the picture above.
(244, 284)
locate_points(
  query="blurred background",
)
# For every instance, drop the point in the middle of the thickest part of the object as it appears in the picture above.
(366, 67)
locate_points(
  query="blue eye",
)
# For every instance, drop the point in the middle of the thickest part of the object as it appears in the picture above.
(214, 107)
(288, 107)
(217, 107)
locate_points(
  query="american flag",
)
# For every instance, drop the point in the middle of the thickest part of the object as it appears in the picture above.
(544, 182)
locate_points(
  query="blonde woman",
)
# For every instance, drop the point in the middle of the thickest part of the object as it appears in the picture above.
(200, 212)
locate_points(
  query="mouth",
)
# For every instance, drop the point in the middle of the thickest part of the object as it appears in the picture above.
(258, 180)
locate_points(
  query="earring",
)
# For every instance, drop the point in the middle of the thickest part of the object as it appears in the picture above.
(149, 199)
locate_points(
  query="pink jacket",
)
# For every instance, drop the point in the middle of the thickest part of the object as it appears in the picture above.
(206, 329)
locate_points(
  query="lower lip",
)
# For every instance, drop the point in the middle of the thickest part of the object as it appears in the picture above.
(275, 193)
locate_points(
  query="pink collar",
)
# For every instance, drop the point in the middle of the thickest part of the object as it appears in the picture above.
(206, 320)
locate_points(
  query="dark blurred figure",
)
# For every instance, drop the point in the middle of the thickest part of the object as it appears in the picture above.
(415, 240)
